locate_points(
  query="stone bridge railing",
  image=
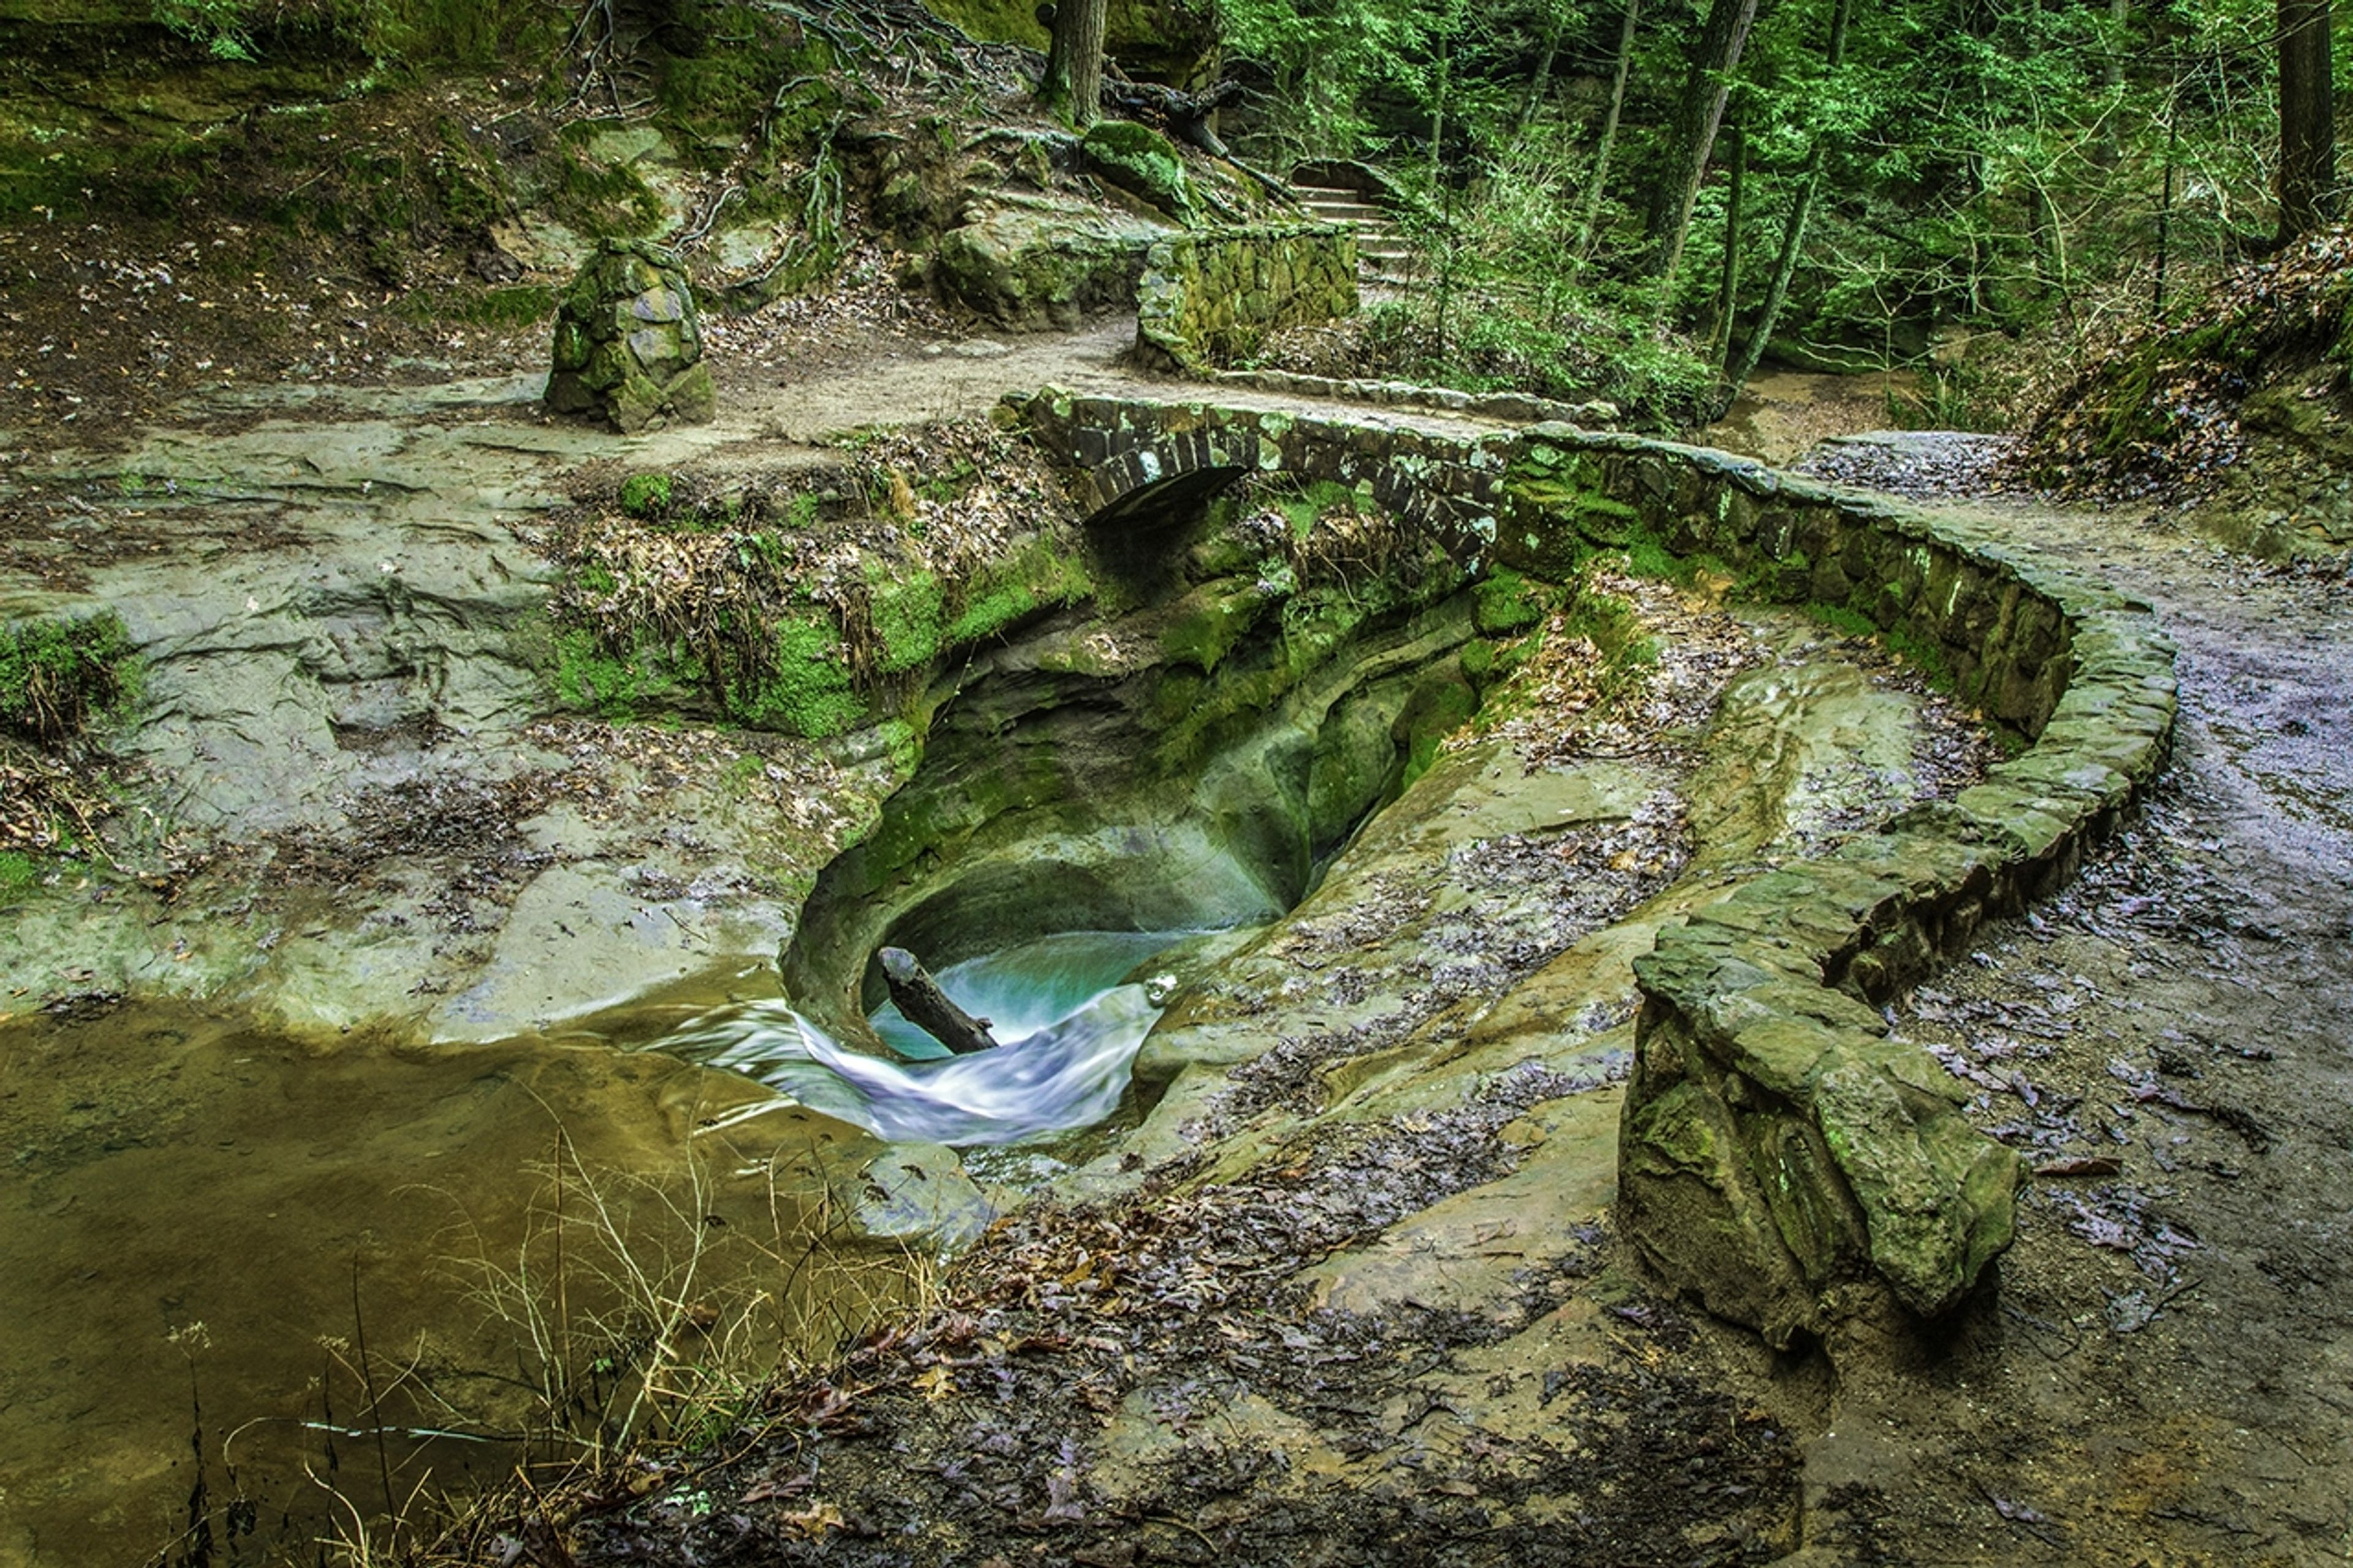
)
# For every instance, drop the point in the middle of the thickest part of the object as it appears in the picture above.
(1781, 1158)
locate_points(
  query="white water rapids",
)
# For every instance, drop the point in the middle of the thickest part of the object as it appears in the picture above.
(1070, 1031)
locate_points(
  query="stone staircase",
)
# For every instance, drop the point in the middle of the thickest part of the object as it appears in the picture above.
(1383, 258)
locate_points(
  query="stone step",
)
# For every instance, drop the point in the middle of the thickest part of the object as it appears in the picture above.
(1383, 258)
(1347, 212)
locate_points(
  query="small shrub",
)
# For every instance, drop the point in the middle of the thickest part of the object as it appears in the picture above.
(646, 495)
(59, 675)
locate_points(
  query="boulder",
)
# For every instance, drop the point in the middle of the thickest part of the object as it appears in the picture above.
(629, 342)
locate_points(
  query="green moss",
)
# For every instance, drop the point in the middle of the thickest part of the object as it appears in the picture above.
(1924, 656)
(907, 620)
(646, 495)
(1505, 602)
(621, 687)
(732, 82)
(1139, 159)
(464, 187)
(1040, 576)
(462, 32)
(994, 21)
(1606, 620)
(19, 873)
(60, 675)
(1842, 619)
(1907, 644)
(810, 692)
(596, 198)
(1434, 712)
(903, 744)
(1209, 622)
(1571, 486)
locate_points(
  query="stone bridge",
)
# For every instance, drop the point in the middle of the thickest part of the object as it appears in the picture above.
(1145, 465)
(1781, 1158)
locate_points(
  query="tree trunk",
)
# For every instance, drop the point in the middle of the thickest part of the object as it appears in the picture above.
(1593, 186)
(927, 1007)
(1793, 236)
(1700, 111)
(1071, 88)
(2307, 164)
(2109, 150)
(1541, 82)
(1727, 290)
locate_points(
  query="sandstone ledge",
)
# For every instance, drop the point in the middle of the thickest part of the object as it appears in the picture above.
(1782, 1158)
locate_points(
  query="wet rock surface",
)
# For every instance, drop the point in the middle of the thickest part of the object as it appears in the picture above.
(1352, 1291)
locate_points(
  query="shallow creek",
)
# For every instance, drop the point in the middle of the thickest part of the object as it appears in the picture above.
(204, 1222)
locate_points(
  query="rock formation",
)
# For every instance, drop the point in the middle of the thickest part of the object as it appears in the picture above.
(628, 345)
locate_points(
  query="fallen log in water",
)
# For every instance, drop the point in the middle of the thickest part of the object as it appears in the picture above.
(927, 1006)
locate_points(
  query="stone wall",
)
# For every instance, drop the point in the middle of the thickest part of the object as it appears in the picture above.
(1209, 296)
(1782, 1158)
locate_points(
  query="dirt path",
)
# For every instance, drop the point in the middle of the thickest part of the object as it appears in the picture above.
(2165, 1373)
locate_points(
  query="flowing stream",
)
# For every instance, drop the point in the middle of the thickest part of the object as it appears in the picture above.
(1064, 1008)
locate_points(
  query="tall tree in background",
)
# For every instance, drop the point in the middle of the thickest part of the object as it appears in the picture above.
(1589, 216)
(2307, 163)
(1071, 87)
(1802, 208)
(1698, 115)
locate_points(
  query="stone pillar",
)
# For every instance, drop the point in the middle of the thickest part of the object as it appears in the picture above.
(628, 345)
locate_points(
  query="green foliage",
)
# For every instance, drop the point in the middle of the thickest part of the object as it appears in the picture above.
(1308, 503)
(646, 495)
(60, 675)
(222, 27)
(809, 691)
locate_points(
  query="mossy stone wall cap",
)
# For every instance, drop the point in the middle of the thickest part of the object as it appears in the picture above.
(629, 342)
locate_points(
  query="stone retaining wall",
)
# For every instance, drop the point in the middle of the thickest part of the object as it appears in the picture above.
(1782, 1158)
(1212, 296)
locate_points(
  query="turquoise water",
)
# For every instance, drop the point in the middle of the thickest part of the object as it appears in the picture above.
(1068, 1021)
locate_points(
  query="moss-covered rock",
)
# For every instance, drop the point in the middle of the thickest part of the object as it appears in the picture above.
(1031, 270)
(629, 342)
(1142, 162)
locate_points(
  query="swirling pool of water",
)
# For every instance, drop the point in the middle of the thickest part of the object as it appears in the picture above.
(1068, 1021)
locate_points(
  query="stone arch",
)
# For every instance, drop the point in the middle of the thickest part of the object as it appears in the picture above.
(1164, 481)
(1143, 467)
